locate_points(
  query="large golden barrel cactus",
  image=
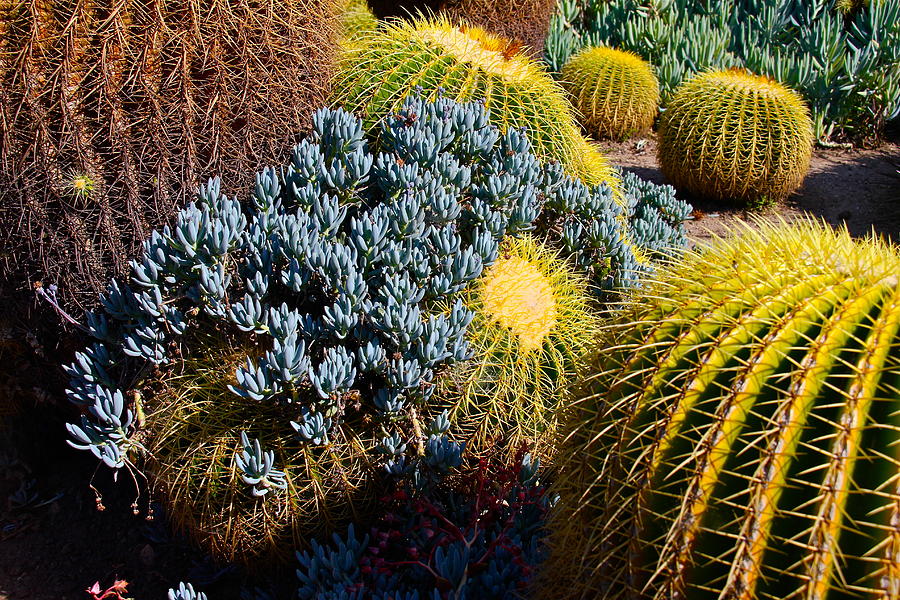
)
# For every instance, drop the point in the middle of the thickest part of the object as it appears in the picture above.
(524, 20)
(462, 63)
(743, 440)
(111, 113)
(615, 91)
(733, 135)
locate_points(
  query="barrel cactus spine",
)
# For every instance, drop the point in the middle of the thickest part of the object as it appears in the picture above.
(465, 63)
(732, 135)
(741, 441)
(615, 91)
(317, 324)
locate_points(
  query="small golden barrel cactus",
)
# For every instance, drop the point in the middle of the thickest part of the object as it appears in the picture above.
(534, 328)
(743, 439)
(462, 63)
(733, 135)
(615, 91)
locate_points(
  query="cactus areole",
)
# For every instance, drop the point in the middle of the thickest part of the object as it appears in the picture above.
(744, 439)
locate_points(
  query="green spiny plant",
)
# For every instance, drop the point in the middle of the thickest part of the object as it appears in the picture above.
(733, 135)
(356, 19)
(524, 20)
(846, 67)
(615, 91)
(535, 324)
(112, 113)
(464, 63)
(286, 352)
(741, 438)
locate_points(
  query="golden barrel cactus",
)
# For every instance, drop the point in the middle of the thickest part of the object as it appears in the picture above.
(462, 63)
(743, 439)
(112, 113)
(732, 135)
(193, 426)
(534, 329)
(615, 90)
(524, 20)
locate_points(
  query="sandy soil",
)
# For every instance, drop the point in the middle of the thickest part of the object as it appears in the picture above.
(858, 188)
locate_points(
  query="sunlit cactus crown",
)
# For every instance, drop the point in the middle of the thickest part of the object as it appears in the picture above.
(318, 321)
(742, 442)
(535, 324)
(615, 91)
(464, 63)
(736, 136)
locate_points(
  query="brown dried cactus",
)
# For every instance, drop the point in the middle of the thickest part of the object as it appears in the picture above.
(524, 20)
(112, 111)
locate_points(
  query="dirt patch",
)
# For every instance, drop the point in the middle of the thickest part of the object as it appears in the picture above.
(857, 188)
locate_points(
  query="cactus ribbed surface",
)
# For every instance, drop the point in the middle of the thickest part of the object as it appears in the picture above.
(733, 135)
(534, 327)
(615, 91)
(111, 113)
(743, 439)
(462, 63)
(524, 20)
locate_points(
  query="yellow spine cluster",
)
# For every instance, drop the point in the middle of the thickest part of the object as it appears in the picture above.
(535, 325)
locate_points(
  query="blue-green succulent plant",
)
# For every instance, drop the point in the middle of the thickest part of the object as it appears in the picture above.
(327, 285)
(185, 591)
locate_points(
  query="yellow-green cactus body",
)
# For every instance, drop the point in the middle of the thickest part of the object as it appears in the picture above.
(615, 91)
(194, 427)
(534, 327)
(744, 439)
(463, 63)
(736, 136)
(356, 19)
